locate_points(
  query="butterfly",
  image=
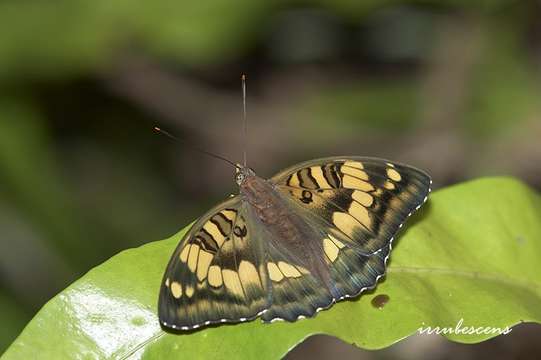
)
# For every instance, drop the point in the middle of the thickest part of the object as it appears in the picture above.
(287, 247)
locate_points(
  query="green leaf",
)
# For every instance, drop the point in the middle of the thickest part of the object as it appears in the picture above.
(471, 253)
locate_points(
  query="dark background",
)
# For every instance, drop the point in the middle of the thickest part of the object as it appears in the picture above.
(452, 87)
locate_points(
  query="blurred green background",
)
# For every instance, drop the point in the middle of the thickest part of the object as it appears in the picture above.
(452, 87)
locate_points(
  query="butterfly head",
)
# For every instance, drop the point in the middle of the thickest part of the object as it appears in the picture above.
(242, 173)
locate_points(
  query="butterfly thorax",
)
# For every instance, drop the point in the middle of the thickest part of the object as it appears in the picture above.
(289, 229)
(259, 193)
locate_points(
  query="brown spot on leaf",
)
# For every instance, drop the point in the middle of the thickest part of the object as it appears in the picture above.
(380, 300)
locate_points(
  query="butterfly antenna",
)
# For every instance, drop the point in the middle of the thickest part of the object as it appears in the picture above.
(244, 119)
(158, 130)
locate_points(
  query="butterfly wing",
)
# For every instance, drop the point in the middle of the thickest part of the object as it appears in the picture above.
(297, 294)
(362, 201)
(355, 206)
(217, 273)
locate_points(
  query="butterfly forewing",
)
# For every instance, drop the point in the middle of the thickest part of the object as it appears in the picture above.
(217, 273)
(364, 201)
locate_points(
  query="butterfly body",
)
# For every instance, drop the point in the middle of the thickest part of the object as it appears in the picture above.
(287, 229)
(290, 246)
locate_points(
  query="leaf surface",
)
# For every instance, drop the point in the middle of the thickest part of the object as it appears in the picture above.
(471, 253)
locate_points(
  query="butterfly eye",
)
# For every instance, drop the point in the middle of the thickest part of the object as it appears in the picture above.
(239, 178)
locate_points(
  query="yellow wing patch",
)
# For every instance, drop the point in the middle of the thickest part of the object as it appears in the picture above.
(274, 272)
(319, 177)
(331, 250)
(215, 276)
(348, 224)
(393, 174)
(354, 171)
(288, 270)
(232, 282)
(281, 270)
(176, 289)
(360, 213)
(203, 264)
(214, 231)
(351, 182)
(189, 291)
(332, 247)
(184, 253)
(363, 198)
(354, 164)
(192, 257)
(389, 185)
(248, 274)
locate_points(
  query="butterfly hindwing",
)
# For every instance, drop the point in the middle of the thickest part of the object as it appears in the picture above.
(217, 273)
(297, 294)
(353, 272)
